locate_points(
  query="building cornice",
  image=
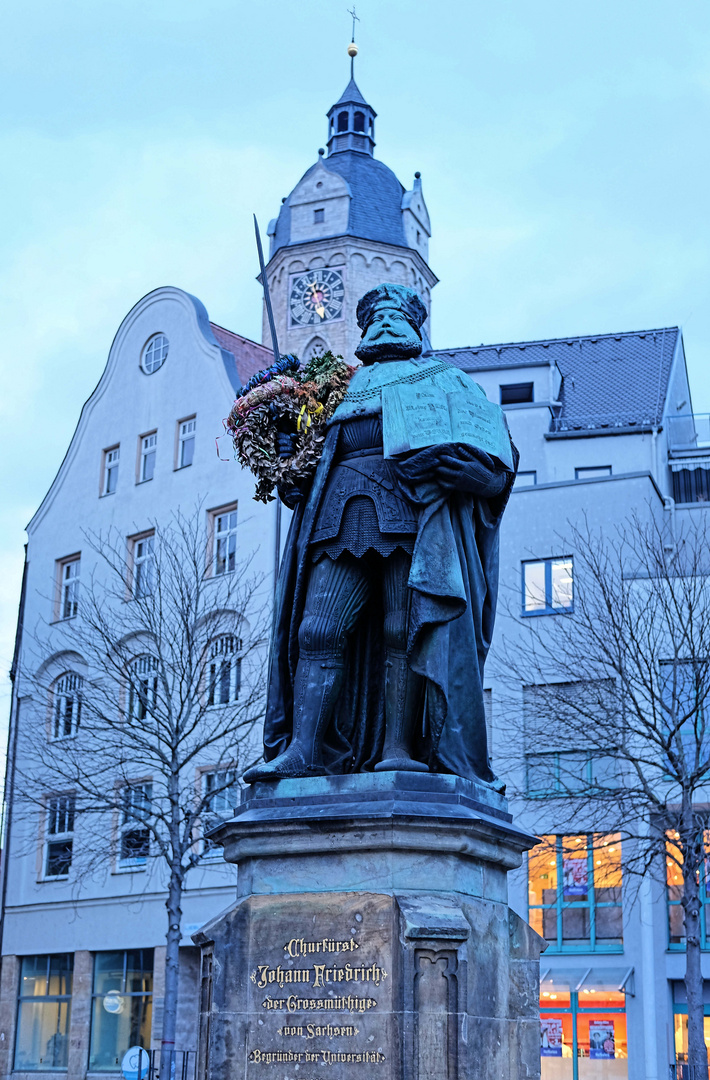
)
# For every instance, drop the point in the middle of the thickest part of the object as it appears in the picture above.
(332, 243)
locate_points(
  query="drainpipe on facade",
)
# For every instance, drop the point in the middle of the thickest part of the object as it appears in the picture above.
(669, 507)
(9, 790)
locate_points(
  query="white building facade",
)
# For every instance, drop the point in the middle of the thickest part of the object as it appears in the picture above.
(602, 424)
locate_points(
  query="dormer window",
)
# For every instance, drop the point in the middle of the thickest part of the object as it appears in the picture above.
(318, 216)
(359, 124)
(342, 121)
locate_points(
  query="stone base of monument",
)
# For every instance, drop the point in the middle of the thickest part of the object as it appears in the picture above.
(371, 936)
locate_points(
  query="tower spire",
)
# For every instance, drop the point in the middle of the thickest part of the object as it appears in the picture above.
(351, 121)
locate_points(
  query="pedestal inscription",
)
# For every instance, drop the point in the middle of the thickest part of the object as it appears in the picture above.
(320, 989)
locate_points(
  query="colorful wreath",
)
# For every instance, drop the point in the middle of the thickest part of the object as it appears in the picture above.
(290, 399)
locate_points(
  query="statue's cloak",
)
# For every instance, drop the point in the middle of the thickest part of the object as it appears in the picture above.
(454, 585)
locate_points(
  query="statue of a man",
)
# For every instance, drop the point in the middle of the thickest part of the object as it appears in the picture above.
(387, 592)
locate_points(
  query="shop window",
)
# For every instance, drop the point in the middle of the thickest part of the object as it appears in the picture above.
(583, 1030)
(680, 1022)
(43, 1013)
(548, 586)
(574, 892)
(674, 892)
(121, 1006)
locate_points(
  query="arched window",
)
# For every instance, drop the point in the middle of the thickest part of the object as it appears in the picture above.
(66, 713)
(342, 121)
(143, 687)
(315, 347)
(224, 672)
(359, 124)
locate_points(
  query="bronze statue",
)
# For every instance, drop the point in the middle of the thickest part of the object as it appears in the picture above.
(387, 592)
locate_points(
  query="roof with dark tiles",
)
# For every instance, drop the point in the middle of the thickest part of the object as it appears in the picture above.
(608, 380)
(249, 356)
(375, 206)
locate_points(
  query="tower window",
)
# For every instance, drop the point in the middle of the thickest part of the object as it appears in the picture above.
(342, 121)
(359, 124)
(318, 216)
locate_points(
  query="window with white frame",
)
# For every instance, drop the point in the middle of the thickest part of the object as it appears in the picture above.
(221, 793)
(143, 687)
(143, 565)
(59, 840)
(224, 674)
(68, 574)
(224, 559)
(155, 353)
(66, 706)
(548, 586)
(111, 459)
(186, 442)
(146, 465)
(592, 472)
(134, 839)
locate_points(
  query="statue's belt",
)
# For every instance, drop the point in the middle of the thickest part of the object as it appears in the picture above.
(350, 461)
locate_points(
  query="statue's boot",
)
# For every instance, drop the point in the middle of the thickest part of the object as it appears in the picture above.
(316, 689)
(403, 689)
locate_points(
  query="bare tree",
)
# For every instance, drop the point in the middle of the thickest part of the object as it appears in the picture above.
(167, 658)
(612, 724)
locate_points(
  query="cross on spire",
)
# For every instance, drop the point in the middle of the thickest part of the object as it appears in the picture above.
(352, 48)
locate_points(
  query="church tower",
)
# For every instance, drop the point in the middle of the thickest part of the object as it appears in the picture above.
(347, 226)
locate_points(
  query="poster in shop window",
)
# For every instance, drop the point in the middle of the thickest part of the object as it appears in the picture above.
(601, 1039)
(550, 1037)
(574, 877)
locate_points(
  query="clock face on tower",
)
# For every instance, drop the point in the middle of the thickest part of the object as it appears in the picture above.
(316, 297)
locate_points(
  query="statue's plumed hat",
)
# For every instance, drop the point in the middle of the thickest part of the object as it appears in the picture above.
(394, 296)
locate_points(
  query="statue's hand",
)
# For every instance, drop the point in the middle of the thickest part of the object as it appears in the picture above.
(454, 468)
(291, 497)
(285, 444)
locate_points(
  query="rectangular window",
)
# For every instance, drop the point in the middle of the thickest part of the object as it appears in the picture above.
(43, 1013)
(186, 442)
(691, 485)
(574, 892)
(221, 793)
(567, 772)
(224, 560)
(683, 689)
(318, 216)
(59, 840)
(592, 472)
(516, 393)
(110, 475)
(146, 465)
(583, 1027)
(68, 581)
(548, 586)
(143, 549)
(143, 687)
(121, 1006)
(134, 840)
(224, 675)
(526, 479)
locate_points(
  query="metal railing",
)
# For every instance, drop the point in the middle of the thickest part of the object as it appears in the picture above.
(688, 432)
(172, 1065)
(682, 1071)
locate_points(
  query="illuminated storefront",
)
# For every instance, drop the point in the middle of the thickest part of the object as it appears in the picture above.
(583, 1025)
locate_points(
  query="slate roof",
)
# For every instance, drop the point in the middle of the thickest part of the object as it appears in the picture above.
(351, 96)
(608, 380)
(249, 356)
(375, 206)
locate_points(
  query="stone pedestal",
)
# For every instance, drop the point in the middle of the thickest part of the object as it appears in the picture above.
(371, 936)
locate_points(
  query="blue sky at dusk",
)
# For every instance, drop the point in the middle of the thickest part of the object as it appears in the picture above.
(563, 148)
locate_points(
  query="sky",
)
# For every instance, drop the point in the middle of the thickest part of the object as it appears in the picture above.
(563, 148)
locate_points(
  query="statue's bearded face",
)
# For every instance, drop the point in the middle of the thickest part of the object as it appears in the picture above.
(388, 337)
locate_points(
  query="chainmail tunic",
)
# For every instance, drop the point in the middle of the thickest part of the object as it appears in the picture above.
(362, 507)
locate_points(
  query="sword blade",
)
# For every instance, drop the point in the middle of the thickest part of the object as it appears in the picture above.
(267, 296)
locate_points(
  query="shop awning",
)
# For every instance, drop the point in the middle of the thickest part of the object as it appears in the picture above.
(678, 464)
(579, 979)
